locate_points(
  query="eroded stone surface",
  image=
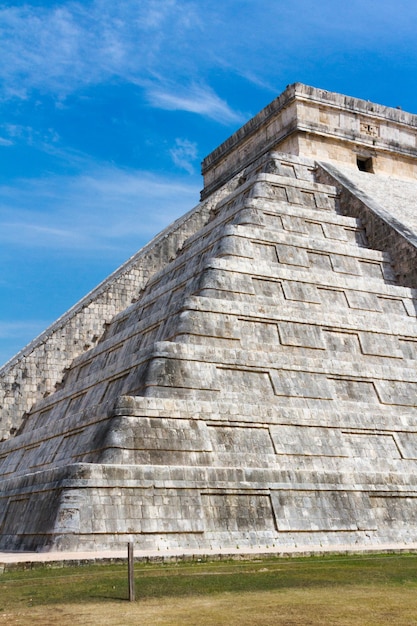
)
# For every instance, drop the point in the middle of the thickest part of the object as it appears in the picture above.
(258, 389)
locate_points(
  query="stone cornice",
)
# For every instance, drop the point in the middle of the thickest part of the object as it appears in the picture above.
(321, 115)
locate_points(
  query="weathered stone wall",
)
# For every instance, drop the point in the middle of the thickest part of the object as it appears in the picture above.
(387, 210)
(39, 368)
(260, 391)
(320, 125)
(256, 383)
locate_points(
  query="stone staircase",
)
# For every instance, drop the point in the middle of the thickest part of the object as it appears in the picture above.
(260, 390)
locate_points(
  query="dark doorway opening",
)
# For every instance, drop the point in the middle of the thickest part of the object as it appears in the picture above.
(365, 164)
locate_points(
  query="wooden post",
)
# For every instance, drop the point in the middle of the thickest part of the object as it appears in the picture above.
(131, 571)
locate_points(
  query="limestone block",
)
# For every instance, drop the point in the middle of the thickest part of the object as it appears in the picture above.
(237, 512)
(307, 441)
(345, 264)
(254, 333)
(380, 344)
(326, 202)
(333, 298)
(334, 231)
(371, 446)
(395, 510)
(408, 347)
(194, 323)
(294, 224)
(339, 341)
(238, 439)
(355, 390)
(322, 511)
(397, 392)
(165, 372)
(232, 246)
(303, 335)
(320, 261)
(291, 255)
(248, 215)
(407, 444)
(10, 461)
(362, 300)
(269, 288)
(244, 381)
(161, 434)
(302, 292)
(300, 384)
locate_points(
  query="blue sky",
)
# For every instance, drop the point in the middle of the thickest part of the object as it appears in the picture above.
(108, 108)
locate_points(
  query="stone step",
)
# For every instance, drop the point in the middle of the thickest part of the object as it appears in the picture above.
(299, 220)
(355, 319)
(300, 251)
(238, 273)
(359, 339)
(359, 314)
(237, 371)
(263, 311)
(278, 188)
(284, 165)
(307, 426)
(203, 479)
(306, 434)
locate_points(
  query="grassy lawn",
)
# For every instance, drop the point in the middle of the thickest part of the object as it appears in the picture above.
(318, 591)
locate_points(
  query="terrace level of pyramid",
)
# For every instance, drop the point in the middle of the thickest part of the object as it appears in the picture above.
(249, 377)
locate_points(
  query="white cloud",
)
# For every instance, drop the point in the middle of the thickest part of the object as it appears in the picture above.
(151, 43)
(45, 139)
(59, 48)
(101, 209)
(184, 154)
(195, 99)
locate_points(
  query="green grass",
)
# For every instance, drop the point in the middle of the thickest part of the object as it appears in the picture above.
(101, 583)
(377, 590)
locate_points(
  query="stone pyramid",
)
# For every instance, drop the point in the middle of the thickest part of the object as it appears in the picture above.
(248, 378)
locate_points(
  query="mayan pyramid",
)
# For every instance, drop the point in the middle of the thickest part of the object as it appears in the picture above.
(249, 377)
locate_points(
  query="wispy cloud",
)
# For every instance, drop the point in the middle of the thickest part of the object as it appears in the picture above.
(195, 99)
(100, 209)
(184, 154)
(46, 139)
(59, 48)
(63, 48)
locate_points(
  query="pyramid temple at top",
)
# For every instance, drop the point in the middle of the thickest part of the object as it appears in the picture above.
(249, 377)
